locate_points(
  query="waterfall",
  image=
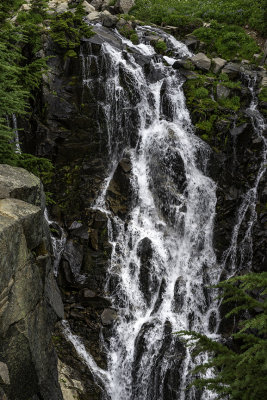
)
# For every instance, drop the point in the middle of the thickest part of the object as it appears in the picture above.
(16, 132)
(239, 254)
(162, 257)
(58, 240)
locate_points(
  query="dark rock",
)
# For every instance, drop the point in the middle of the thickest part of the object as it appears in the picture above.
(109, 21)
(232, 70)
(201, 61)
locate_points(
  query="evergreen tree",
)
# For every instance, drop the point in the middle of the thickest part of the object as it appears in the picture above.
(240, 369)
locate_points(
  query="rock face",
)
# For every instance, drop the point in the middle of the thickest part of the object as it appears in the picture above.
(30, 301)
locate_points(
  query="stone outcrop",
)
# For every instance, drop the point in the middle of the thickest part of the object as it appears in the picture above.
(30, 301)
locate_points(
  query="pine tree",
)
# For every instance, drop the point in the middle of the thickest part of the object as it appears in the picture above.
(240, 369)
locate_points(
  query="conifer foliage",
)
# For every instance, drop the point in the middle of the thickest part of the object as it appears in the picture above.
(240, 366)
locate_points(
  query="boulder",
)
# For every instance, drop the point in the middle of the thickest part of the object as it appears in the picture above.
(30, 303)
(100, 4)
(88, 7)
(71, 388)
(21, 184)
(222, 91)
(109, 20)
(93, 16)
(201, 61)
(232, 70)
(217, 64)
(125, 6)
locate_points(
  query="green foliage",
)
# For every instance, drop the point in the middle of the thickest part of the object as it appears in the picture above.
(134, 38)
(263, 94)
(230, 103)
(68, 28)
(228, 41)
(240, 371)
(160, 46)
(171, 12)
(19, 76)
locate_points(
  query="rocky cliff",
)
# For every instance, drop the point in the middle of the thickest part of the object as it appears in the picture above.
(30, 302)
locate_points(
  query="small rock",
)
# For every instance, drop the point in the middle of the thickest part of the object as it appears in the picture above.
(108, 316)
(217, 64)
(75, 225)
(87, 293)
(264, 81)
(201, 61)
(122, 22)
(4, 373)
(222, 91)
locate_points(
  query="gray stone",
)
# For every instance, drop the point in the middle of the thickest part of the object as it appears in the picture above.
(217, 64)
(87, 293)
(99, 4)
(108, 316)
(109, 20)
(93, 16)
(21, 184)
(4, 373)
(125, 6)
(222, 91)
(88, 7)
(232, 70)
(201, 61)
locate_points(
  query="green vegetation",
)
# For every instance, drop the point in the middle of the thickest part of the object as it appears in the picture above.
(160, 46)
(240, 366)
(68, 28)
(172, 12)
(227, 41)
(263, 94)
(19, 77)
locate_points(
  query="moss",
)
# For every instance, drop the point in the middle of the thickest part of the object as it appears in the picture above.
(70, 53)
(134, 38)
(160, 46)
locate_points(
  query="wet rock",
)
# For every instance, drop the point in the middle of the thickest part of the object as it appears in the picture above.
(222, 92)
(73, 253)
(119, 190)
(217, 64)
(201, 61)
(232, 70)
(108, 316)
(87, 293)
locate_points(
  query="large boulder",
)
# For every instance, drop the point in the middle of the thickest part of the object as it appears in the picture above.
(30, 303)
(217, 64)
(232, 70)
(21, 184)
(201, 61)
(125, 6)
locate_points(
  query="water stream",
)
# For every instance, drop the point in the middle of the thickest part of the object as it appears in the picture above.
(163, 256)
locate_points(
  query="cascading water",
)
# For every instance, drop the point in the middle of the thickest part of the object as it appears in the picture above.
(16, 133)
(239, 255)
(58, 240)
(162, 256)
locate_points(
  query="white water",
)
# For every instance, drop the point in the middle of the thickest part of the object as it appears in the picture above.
(163, 293)
(16, 133)
(58, 241)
